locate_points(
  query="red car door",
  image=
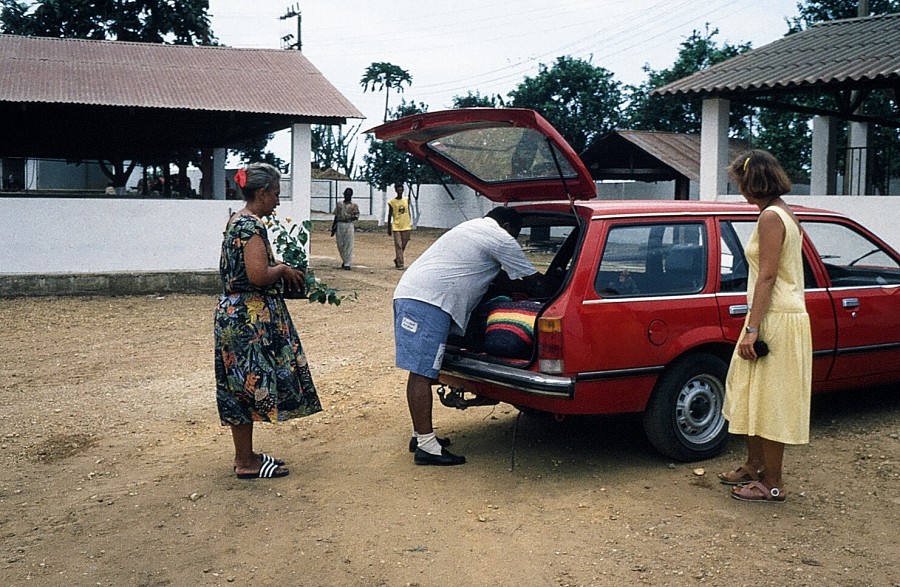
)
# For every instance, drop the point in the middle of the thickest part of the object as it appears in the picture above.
(864, 279)
(734, 233)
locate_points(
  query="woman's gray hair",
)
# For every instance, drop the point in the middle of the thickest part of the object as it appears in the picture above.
(259, 175)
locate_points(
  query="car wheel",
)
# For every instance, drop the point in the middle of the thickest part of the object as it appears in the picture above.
(683, 419)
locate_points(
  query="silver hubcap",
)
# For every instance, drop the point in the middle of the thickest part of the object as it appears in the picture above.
(698, 411)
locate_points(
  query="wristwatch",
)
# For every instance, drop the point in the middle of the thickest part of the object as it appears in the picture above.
(751, 330)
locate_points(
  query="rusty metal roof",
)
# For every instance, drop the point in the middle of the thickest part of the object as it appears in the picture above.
(146, 75)
(856, 53)
(79, 99)
(649, 155)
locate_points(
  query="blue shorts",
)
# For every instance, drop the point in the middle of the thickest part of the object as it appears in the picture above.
(420, 333)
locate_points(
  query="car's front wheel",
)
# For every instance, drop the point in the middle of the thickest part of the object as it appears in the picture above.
(683, 419)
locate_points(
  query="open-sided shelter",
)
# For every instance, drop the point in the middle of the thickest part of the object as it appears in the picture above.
(844, 61)
(650, 156)
(82, 99)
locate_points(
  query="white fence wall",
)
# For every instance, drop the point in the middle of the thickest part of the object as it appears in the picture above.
(121, 235)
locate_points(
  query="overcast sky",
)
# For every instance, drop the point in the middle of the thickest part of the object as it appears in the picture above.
(455, 46)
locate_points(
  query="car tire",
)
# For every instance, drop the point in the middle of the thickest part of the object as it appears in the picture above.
(683, 419)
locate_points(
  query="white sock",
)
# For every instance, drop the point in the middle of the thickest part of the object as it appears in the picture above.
(429, 443)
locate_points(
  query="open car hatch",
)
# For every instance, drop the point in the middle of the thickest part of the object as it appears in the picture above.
(506, 154)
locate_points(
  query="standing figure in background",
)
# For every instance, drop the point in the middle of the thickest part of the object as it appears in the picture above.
(399, 223)
(345, 214)
(767, 393)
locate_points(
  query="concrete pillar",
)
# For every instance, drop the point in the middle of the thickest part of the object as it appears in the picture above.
(714, 148)
(301, 175)
(824, 152)
(218, 174)
(857, 159)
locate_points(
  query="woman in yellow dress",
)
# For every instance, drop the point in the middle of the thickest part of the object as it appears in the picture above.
(768, 397)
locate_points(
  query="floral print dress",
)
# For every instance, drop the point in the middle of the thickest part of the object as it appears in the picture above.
(261, 370)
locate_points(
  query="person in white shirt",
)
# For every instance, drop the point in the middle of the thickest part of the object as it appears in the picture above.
(435, 296)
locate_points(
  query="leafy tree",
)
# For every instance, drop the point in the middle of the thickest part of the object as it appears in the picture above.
(476, 100)
(788, 137)
(581, 100)
(335, 150)
(813, 11)
(255, 150)
(385, 76)
(148, 21)
(674, 113)
(386, 165)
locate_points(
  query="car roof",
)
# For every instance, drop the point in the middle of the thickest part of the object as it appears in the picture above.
(606, 208)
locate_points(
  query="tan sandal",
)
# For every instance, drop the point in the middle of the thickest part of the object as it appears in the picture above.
(740, 476)
(756, 491)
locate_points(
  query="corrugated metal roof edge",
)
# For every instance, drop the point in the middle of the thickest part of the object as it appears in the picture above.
(678, 86)
(132, 106)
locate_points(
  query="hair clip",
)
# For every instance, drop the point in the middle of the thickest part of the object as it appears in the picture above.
(746, 162)
(240, 177)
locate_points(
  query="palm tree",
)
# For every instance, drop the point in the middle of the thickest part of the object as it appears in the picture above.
(384, 76)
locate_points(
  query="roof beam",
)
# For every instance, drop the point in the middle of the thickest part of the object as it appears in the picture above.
(839, 112)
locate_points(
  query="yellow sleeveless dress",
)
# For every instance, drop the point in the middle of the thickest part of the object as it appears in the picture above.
(770, 397)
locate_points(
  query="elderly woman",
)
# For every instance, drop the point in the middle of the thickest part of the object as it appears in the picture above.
(767, 393)
(261, 370)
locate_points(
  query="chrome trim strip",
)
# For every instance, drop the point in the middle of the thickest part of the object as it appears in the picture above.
(619, 373)
(849, 287)
(804, 215)
(646, 299)
(513, 377)
(872, 348)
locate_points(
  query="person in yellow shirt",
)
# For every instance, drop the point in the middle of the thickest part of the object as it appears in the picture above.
(399, 224)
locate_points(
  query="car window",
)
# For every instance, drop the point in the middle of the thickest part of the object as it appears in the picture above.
(653, 260)
(851, 258)
(543, 245)
(732, 263)
(504, 154)
(733, 268)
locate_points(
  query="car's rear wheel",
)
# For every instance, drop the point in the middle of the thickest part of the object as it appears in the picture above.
(683, 419)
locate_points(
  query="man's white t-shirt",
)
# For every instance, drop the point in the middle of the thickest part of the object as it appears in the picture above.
(456, 271)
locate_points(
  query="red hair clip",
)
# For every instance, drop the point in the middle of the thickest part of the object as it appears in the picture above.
(240, 178)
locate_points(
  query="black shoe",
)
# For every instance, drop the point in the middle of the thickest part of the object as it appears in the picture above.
(413, 444)
(346, 268)
(444, 459)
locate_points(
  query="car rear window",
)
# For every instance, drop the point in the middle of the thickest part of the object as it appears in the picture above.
(500, 154)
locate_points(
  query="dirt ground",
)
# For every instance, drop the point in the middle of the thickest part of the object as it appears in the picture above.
(117, 472)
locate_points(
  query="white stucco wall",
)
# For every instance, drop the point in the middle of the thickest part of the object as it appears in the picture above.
(112, 235)
(106, 235)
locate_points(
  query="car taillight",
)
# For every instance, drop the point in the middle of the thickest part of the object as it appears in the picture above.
(550, 345)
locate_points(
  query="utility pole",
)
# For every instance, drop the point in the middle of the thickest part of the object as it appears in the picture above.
(291, 13)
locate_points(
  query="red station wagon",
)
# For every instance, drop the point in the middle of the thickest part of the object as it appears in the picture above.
(646, 299)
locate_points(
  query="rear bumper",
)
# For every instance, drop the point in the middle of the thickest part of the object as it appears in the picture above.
(515, 378)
